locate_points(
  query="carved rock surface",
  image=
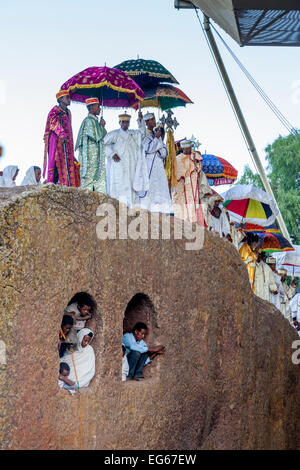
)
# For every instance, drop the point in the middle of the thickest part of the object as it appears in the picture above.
(226, 381)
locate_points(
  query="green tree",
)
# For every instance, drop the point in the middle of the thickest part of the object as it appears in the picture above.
(283, 171)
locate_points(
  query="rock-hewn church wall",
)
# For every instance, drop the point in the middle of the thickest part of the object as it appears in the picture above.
(226, 380)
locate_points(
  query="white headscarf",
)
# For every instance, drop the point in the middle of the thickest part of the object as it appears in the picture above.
(84, 359)
(7, 178)
(30, 177)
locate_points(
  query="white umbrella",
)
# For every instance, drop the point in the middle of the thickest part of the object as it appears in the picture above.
(257, 206)
(289, 260)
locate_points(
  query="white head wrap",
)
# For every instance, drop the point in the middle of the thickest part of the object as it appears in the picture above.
(185, 144)
(8, 174)
(148, 116)
(29, 178)
(84, 359)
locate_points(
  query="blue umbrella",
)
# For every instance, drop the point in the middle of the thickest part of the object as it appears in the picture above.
(212, 167)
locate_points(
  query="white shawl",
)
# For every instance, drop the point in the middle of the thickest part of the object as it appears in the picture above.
(84, 360)
(30, 177)
(7, 178)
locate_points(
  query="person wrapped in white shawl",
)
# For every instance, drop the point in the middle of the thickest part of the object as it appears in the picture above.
(32, 177)
(7, 180)
(83, 358)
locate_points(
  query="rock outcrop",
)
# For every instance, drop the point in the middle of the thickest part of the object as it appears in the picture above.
(226, 381)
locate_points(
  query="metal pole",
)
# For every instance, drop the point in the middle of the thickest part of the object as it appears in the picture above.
(243, 124)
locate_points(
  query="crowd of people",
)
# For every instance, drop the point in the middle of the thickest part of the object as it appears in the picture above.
(77, 357)
(268, 283)
(129, 165)
(126, 164)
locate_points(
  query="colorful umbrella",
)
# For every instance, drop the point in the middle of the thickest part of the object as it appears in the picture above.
(290, 258)
(147, 73)
(270, 242)
(257, 228)
(164, 97)
(218, 170)
(112, 87)
(246, 203)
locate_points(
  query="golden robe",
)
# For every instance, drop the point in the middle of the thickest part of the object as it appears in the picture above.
(249, 258)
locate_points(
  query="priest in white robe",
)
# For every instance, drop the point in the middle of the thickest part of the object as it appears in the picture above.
(127, 172)
(295, 307)
(275, 298)
(157, 198)
(289, 292)
(265, 285)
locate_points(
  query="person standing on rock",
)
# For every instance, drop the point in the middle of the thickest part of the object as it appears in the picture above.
(264, 281)
(59, 147)
(275, 298)
(192, 193)
(127, 173)
(91, 149)
(249, 253)
(157, 198)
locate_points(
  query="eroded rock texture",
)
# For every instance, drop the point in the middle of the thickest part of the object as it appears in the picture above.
(226, 380)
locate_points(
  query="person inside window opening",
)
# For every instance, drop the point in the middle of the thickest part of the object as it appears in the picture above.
(82, 307)
(63, 377)
(64, 338)
(82, 361)
(137, 352)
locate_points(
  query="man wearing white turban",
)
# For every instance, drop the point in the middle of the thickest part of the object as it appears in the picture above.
(7, 180)
(127, 172)
(32, 177)
(83, 358)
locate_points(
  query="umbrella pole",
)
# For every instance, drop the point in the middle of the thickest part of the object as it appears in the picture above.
(240, 117)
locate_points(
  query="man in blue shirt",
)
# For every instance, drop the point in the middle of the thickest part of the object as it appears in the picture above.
(137, 351)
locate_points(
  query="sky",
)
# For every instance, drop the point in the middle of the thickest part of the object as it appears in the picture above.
(42, 44)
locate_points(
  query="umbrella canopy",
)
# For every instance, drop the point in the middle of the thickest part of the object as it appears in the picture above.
(218, 170)
(257, 228)
(270, 242)
(112, 87)
(164, 97)
(247, 203)
(147, 73)
(291, 258)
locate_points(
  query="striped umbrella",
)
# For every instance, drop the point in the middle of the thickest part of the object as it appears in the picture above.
(247, 203)
(164, 97)
(253, 228)
(271, 242)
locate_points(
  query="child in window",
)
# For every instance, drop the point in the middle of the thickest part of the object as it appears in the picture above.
(63, 380)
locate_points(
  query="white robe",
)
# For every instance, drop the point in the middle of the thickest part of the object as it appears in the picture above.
(275, 299)
(285, 298)
(220, 225)
(30, 178)
(264, 283)
(157, 198)
(130, 175)
(295, 307)
(6, 180)
(125, 368)
(84, 360)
